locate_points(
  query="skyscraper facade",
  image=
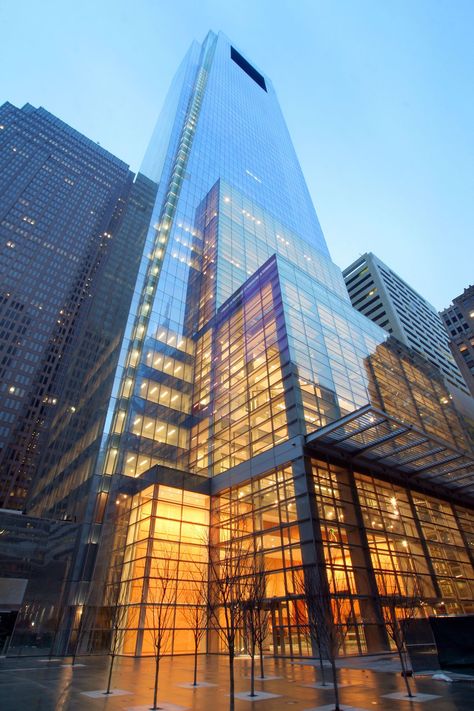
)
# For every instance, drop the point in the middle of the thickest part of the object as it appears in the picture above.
(253, 403)
(381, 295)
(61, 197)
(459, 321)
(73, 225)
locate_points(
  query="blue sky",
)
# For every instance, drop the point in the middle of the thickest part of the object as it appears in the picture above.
(378, 96)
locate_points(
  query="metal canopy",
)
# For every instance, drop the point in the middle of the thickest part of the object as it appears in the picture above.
(373, 436)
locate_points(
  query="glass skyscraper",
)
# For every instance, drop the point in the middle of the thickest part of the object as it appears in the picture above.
(221, 147)
(252, 397)
(252, 400)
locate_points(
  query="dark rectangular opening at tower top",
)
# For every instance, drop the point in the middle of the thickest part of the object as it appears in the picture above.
(247, 67)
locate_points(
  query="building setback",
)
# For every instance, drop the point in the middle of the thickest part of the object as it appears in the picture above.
(253, 406)
(459, 321)
(381, 295)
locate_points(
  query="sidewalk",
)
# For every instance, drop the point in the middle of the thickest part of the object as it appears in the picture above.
(31, 684)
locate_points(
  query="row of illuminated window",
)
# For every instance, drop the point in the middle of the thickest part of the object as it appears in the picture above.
(249, 425)
(170, 366)
(176, 340)
(164, 528)
(164, 395)
(160, 431)
(226, 456)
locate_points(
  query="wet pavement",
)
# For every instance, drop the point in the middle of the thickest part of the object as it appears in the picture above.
(32, 684)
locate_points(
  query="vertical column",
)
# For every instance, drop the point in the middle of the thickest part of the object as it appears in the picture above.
(212, 638)
(468, 548)
(146, 573)
(424, 546)
(364, 575)
(312, 549)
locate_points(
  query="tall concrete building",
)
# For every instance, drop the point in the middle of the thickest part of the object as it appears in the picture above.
(459, 321)
(253, 408)
(380, 294)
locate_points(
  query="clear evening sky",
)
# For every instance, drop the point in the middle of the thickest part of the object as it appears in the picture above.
(378, 96)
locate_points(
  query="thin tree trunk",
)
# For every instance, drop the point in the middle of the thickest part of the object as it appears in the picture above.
(404, 673)
(231, 681)
(155, 690)
(76, 646)
(53, 641)
(262, 675)
(252, 673)
(78, 640)
(321, 665)
(334, 681)
(109, 681)
(195, 663)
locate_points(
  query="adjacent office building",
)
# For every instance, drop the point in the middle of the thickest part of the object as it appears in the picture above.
(381, 295)
(251, 402)
(72, 227)
(61, 198)
(459, 321)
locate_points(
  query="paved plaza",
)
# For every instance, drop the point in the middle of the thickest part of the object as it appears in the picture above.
(39, 684)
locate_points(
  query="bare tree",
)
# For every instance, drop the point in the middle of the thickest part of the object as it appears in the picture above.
(399, 606)
(162, 597)
(326, 623)
(256, 615)
(308, 621)
(88, 615)
(228, 592)
(263, 609)
(195, 611)
(115, 603)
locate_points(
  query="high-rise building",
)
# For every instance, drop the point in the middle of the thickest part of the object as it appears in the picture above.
(459, 321)
(72, 227)
(61, 197)
(253, 403)
(381, 295)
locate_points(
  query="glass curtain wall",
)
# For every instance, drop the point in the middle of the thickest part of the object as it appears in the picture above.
(241, 336)
(160, 541)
